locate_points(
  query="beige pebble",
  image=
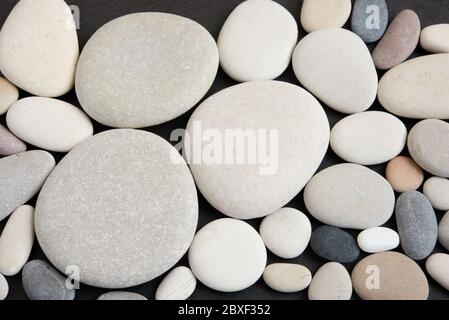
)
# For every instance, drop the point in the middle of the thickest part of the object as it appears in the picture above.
(331, 282)
(4, 287)
(321, 14)
(437, 266)
(8, 95)
(404, 174)
(287, 278)
(443, 231)
(435, 38)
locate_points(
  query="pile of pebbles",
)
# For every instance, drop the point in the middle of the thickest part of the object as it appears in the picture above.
(122, 205)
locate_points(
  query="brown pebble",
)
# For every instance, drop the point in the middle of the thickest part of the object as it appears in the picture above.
(404, 174)
(399, 41)
(389, 276)
(9, 144)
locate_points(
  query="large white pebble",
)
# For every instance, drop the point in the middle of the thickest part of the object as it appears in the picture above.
(350, 196)
(286, 232)
(437, 191)
(179, 284)
(39, 47)
(369, 138)
(48, 123)
(8, 95)
(336, 66)
(331, 282)
(4, 287)
(437, 266)
(435, 38)
(227, 255)
(320, 14)
(378, 239)
(257, 41)
(287, 278)
(17, 241)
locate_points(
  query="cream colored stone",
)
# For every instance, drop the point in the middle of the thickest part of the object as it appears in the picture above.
(435, 38)
(320, 14)
(331, 282)
(8, 95)
(437, 266)
(287, 278)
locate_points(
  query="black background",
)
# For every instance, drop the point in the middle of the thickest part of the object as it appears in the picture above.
(212, 14)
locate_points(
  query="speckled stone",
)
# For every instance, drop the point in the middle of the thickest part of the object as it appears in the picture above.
(435, 38)
(179, 284)
(443, 231)
(121, 295)
(417, 225)
(404, 174)
(399, 41)
(10, 144)
(286, 277)
(370, 19)
(437, 191)
(8, 95)
(378, 239)
(4, 287)
(331, 282)
(334, 244)
(322, 14)
(145, 195)
(157, 67)
(428, 143)
(438, 267)
(21, 177)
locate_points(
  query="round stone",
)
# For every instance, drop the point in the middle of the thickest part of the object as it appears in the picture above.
(254, 137)
(369, 19)
(404, 174)
(287, 278)
(286, 233)
(321, 14)
(157, 67)
(443, 231)
(121, 295)
(334, 244)
(331, 282)
(250, 44)
(378, 239)
(179, 284)
(437, 191)
(9, 144)
(438, 267)
(4, 287)
(8, 95)
(121, 206)
(227, 255)
(435, 38)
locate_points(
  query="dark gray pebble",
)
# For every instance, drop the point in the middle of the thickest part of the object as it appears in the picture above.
(334, 244)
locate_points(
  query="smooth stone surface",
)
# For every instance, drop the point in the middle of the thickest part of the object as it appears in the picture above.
(378, 239)
(274, 112)
(404, 174)
(331, 282)
(399, 41)
(8, 95)
(417, 88)
(437, 191)
(9, 144)
(42, 282)
(438, 267)
(286, 233)
(389, 276)
(4, 287)
(17, 241)
(257, 41)
(21, 177)
(48, 123)
(417, 225)
(435, 38)
(334, 244)
(146, 195)
(321, 14)
(428, 143)
(287, 278)
(227, 255)
(157, 67)
(121, 296)
(336, 66)
(369, 138)
(39, 47)
(443, 231)
(365, 199)
(179, 284)
(369, 19)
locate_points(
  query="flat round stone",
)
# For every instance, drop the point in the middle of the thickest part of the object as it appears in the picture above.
(437, 191)
(132, 210)
(240, 145)
(157, 67)
(404, 174)
(286, 232)
(8, 95)
(121, 295)
(250, 44)
(179, 284)
(389, 276)
(350, 196)
(369, 19)
(336, 66)
(334, 244)
(378, 239)
(443, 231)
(286, 277)
(331, 282)
(10, 144)
(368, 138)
(437, 266)
(227, 255)
(428, 143)
(435, 38)
(4, 287)
(322, 14)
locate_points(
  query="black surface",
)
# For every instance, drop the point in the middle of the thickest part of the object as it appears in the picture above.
(212, 14)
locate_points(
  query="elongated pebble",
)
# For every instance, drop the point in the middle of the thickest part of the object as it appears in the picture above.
(437, 266)
(443, 231)
(4, 287)
(10, 144)
(404, 174)
(121, 295)
(331, 282)
(8, 95)
(378, 239)
(287, 278)
(321, 14)
(179, 284)
(435, 38)
(437, 191)
(334, 244)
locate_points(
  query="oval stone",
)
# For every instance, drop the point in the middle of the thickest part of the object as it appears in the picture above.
(438, 267)
(417, 88)
(321, 14)
(39, 47)
(158, 66)
(9, 144)
(437, 191)
(240, 145)
(378, 239)
(399, 41)
(369, 138)
(331, 282)
(179, 284)
(131, 182)
(417, 225)
(404, 174)
(21, 178)
(334, 244)
(42, 282)
(443, 231)
(428, 143)
(336, 66)
(227, 255)
(286, 232)
(369, 19)
(121, 295)
(287, 278)
(4, 287)
(48, 123)
(435, 38)
(389, 276)
(249, 43)
(365, 199)
(8, 95)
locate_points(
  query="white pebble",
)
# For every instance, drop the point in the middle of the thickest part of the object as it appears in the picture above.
(287, 278)
(4, 288)
(437, 191)
(435, 38)
(378, 239)
(179, 284)
(437, 266)
(8, 95)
